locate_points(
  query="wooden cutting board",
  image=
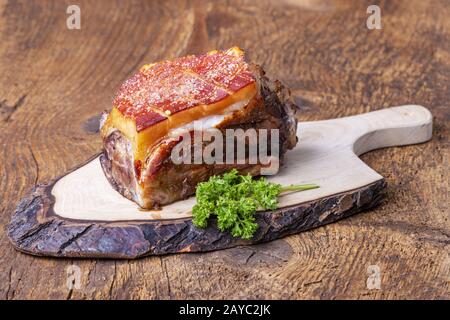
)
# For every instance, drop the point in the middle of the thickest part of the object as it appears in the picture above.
(81, 215)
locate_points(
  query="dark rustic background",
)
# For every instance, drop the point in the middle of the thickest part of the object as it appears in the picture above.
(55, 81)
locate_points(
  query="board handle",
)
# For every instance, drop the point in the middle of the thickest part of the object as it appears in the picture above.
(396, 126)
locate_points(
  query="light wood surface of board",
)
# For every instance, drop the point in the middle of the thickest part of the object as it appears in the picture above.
(56, 81)
(327, 155)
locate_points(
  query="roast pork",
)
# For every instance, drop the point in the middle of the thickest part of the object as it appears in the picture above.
(155, 108)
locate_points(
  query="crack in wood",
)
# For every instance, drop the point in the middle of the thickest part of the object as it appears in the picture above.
(311, 283)
(36, 164)
(113, 281)
(249, 257)
(34, 231)
(9, 282)
(13, 292)
(164, 269)
(73, 239)
(9, 110)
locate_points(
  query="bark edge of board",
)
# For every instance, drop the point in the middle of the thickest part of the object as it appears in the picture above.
(36, 230)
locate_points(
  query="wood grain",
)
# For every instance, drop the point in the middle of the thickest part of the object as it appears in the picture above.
(55, 80)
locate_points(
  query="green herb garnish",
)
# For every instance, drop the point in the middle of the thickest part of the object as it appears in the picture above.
(234, 199)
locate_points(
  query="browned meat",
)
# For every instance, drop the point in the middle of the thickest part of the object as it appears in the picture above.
(146, 172)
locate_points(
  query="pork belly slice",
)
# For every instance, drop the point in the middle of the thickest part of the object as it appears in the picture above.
(218, 88)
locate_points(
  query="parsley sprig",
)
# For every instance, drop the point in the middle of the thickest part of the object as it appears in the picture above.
(233, 199)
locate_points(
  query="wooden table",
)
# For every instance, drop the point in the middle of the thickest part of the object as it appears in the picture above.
(55, 81)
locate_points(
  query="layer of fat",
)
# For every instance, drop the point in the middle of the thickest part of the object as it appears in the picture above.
(208, 122)
(143, 140)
